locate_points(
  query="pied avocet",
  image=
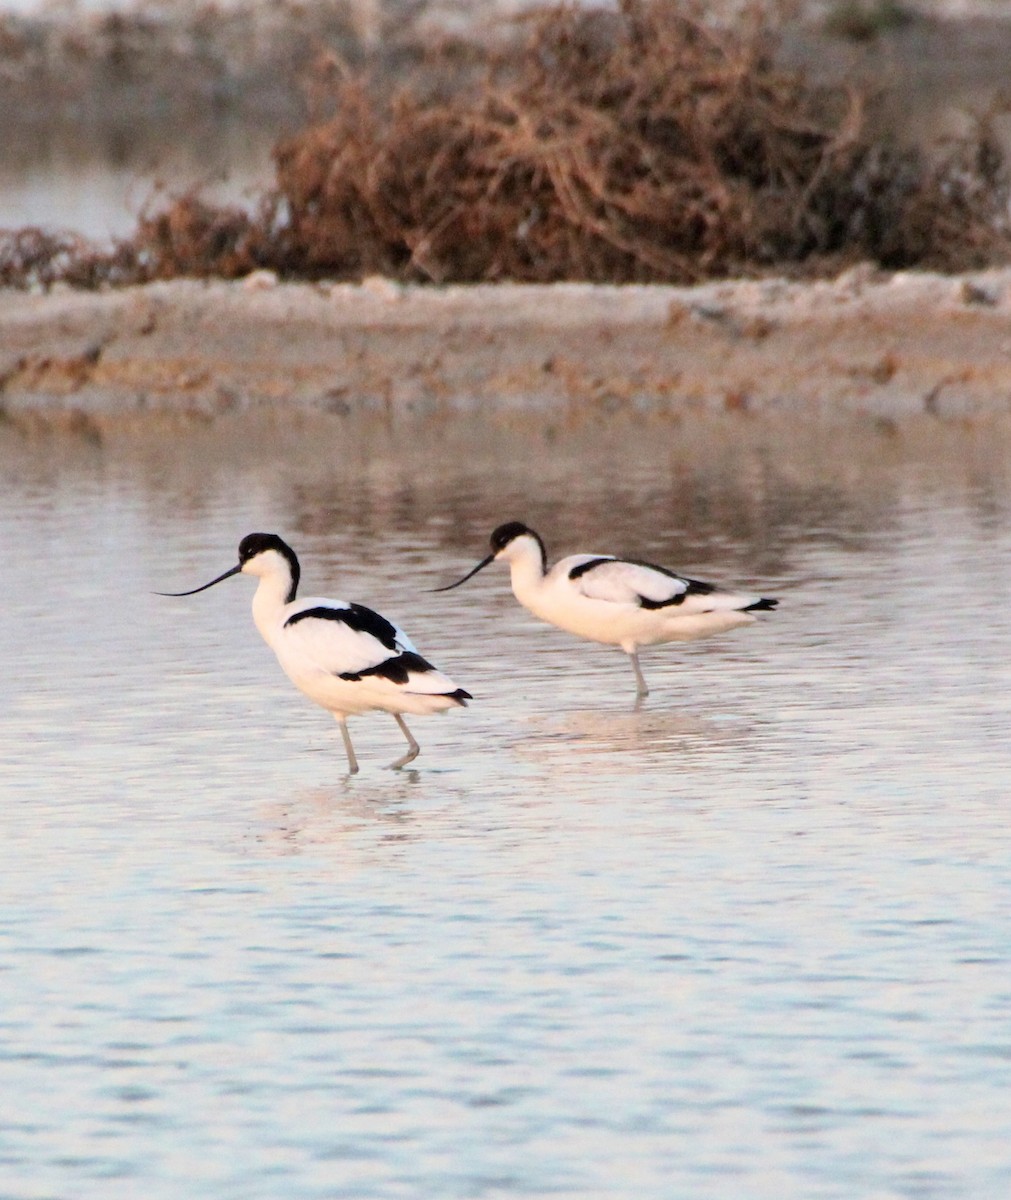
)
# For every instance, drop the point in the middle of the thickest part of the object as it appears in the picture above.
(345, 657)
(617, 601)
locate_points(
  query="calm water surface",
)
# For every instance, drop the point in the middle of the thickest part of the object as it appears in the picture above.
(751, 941)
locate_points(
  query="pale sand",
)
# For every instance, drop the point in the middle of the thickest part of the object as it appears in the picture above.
(887, 346)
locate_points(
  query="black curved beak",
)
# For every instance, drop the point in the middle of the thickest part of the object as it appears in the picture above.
(234, 571)
(470, 574)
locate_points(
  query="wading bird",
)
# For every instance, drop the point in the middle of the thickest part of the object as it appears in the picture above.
(617, 601)
(345, 657)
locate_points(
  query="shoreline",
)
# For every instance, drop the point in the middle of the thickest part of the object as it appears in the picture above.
(867, 344)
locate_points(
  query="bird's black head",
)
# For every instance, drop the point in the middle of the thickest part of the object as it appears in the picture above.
(500, 539)
(251, 546)
(507, 533)
(259, 543)
(256, 543)
(512, 530)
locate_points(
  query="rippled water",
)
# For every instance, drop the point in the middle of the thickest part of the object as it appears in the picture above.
(751, 941)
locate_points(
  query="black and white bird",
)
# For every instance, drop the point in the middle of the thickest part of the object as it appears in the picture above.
(345, 657)
(617, 601)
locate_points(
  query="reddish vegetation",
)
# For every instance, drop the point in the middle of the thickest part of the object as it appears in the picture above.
(642, 145)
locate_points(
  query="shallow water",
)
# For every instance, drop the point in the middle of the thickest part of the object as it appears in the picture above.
(752, 940)
(99, 182)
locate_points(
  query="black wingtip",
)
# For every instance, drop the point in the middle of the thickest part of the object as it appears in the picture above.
(460, 696)
(763, 605)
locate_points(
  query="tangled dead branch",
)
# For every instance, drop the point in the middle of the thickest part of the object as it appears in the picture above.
(643, 144)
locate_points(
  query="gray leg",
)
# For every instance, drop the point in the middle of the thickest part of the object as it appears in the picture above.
(641, 690)
(348, 748)
(413, 749)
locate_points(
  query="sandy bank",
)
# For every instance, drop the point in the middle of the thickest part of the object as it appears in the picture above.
(886, 346)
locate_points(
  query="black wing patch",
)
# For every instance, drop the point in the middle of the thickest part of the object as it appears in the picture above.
(396, 670)
(763, 605)
(696, 587)
(357, 617)
(582, 568)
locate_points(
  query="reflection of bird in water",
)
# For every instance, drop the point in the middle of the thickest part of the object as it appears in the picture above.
(617, 601)
(559, 741)
(361, 820)
(345, 657)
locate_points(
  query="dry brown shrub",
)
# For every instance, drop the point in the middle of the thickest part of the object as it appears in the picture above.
(33, 256)
(643, 144)
(192, 237)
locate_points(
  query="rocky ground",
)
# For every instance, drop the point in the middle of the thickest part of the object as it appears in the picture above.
(885, 346)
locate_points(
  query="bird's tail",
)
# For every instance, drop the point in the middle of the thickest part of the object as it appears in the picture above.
(762, 605)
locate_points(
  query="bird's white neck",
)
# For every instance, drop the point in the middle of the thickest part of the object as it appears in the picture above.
(526, 568)
(269, 601)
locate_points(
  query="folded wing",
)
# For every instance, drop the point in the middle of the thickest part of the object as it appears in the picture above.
(625, 581)
(356, 644)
